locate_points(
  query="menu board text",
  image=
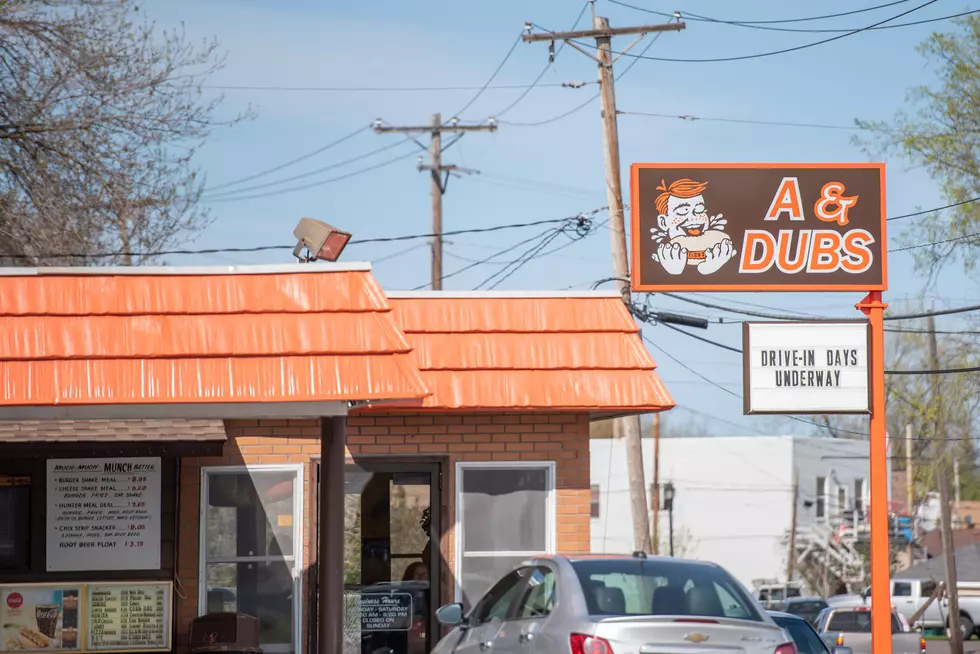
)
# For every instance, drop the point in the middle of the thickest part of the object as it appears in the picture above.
(128, 616)
(103, 514)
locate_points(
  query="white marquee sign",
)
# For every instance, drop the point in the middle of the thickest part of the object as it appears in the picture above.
(806, 367)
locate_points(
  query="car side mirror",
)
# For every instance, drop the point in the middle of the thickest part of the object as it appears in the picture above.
(451, 615)
(842, 650)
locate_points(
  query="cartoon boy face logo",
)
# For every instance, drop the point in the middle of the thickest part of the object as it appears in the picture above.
(686, 235)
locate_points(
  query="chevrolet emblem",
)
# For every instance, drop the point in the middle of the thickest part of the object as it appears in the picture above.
(696, 638)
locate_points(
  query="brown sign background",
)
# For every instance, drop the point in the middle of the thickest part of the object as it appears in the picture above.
(743, 193)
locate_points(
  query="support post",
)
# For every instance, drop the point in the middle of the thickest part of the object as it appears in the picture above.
(655, 496)
(333, 435)
(791, 555)
(881, 628)
(910, 488)
(435, 156)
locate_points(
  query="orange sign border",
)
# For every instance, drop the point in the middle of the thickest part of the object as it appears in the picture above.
(741, 288)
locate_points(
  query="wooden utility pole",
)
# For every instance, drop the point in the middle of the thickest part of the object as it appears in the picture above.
(626, 428)
(791, 557)
(439, 173)
(655, 496)
(942, 450)
(910, 487)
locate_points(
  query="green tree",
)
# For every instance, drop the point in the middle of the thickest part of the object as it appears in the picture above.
(939, 131)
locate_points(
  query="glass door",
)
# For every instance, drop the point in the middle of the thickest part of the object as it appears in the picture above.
(390, 560)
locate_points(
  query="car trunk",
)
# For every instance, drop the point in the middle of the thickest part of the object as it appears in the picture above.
(680, 635)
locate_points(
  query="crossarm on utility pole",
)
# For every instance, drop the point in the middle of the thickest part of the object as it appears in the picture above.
(603, 32)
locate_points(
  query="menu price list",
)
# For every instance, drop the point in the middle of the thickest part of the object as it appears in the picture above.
(103, 514)
(124, 617)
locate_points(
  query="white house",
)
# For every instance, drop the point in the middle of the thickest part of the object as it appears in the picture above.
(733, 501)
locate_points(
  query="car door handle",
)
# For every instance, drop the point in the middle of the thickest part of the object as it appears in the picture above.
(525, 638)
(485, 645)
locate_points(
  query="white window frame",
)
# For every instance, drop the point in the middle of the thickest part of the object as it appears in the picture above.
(551, 509)
(299, 539)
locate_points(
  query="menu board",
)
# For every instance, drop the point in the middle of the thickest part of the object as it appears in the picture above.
(103, 514)
(386, 611)
(128, 616)
(40, 617)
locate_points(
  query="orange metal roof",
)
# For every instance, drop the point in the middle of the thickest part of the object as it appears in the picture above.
(486, 351)
(313, 333)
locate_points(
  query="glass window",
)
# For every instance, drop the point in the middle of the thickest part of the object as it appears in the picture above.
(859, 499)
(594, 501)
(857, 622)
(250, 562)
(15, 498)
(928, 588)
(651, 587)
(539, 600)
(901, 589)
(500, 599)
(821, 497)
(807, 640)
(841, 500)
(504, 516)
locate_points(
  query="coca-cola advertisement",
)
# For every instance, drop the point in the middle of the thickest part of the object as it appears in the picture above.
(40, 617)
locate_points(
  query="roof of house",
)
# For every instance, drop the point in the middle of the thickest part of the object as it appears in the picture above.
(91, 336)
(932, 542)
(554, 351)
(967, 566)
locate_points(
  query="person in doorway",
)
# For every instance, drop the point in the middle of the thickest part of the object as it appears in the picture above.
(418, 571)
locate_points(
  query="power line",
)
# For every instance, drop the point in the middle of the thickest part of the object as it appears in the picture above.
(940, 371)
(291, 162)
(924, 212)
(381, 89)
(773, 52)
(323, 182)
(265, 248)
(492, 77)
(742, 121)
(317, 171)
(544, 71)
(783, 316)
(809, 30)
(775, 22)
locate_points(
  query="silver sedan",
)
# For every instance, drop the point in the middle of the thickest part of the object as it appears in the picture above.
(597, 604)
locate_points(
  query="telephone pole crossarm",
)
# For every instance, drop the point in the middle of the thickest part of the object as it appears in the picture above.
(603, 33)
(491, 126)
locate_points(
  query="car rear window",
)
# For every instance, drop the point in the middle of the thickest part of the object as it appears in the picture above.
(623, 587)
(857, 622)
(806, 639)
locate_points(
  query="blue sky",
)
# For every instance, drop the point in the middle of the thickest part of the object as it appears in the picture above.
(550, 171)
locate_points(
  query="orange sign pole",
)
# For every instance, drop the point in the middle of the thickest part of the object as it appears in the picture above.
(881, 628)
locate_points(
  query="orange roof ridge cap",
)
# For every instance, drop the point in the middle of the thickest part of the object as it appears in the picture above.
(146, 271)
(529, 295)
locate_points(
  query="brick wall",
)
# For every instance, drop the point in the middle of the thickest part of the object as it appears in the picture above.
(563, 438)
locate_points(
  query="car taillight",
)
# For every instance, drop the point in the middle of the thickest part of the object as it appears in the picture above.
(922, 645)
(840, 640)
(582, 644)
(787, 648)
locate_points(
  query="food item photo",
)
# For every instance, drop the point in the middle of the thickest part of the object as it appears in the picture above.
(39, 618)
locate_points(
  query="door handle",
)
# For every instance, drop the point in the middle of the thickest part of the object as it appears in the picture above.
(485, 645)
(525, 638)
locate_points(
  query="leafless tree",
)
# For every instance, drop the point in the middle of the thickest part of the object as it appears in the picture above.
(101, 114)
